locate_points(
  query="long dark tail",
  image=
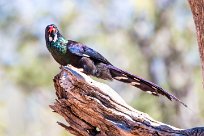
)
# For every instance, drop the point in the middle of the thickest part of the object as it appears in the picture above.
(140, 83)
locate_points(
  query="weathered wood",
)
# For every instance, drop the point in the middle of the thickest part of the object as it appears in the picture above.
(94, 109)
(197, 8)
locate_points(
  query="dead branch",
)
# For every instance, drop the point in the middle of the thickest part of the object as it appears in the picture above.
(93, 109)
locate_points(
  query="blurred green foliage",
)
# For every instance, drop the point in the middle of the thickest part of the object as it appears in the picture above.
(153, 39)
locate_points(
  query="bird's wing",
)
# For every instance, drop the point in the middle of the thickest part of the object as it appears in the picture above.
(82, 50)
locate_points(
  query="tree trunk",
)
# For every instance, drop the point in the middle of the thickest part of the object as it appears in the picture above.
(197, 8)
(94, 109)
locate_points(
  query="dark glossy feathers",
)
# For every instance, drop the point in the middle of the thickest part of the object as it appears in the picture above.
(84, 51)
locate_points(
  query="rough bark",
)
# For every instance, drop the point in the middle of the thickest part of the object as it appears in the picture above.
(94, 109)
(197, 8)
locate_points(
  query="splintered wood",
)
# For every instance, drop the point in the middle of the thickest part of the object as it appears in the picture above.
(91, 108)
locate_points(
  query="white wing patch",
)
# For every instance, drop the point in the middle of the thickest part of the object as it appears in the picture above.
(86, 55)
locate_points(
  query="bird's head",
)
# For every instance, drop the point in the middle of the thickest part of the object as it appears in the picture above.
(51, 33)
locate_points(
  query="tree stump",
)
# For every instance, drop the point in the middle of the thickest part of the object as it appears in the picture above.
(91, 108)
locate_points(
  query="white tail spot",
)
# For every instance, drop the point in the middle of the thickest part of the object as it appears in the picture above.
(134, 83)
(136, 79)
(120, 78)
(154, 87)
(154, 93)
(149, 92)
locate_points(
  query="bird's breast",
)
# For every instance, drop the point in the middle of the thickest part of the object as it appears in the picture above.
(65, 57)
(59, 53)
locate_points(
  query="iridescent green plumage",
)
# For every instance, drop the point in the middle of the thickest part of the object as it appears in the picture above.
(59, 46)
(58, 49)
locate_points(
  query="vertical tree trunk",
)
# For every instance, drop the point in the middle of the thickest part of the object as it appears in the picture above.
(197, 8)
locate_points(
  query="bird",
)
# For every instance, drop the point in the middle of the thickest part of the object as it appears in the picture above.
(69, 52)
